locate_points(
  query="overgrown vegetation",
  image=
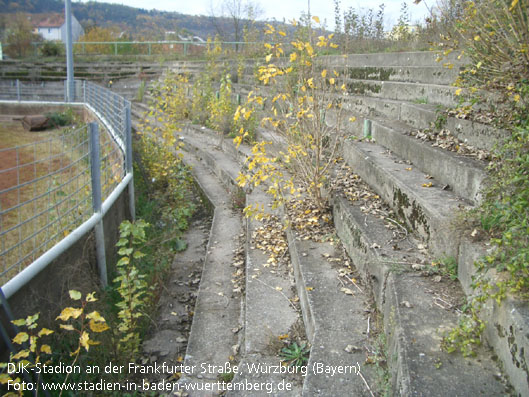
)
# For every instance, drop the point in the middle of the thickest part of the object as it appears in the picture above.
(146, 247)
(301, 96)
(493, 37)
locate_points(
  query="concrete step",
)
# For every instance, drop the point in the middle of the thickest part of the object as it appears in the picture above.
(403, 91)
(463, 175)
(428, 210)
(393, 59)
(423, 116)
(217, 309)
(411, 74)
(269, 295)
(268, 309)
(417, 310)
(334, 321)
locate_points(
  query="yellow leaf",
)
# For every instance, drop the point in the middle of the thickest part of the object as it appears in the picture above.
(74, 295)
(429, 184)
(21, 354)
(517, 98)
(513, 4)
(309, 288)
(45, 331)
(331, 81)
(45, 349)
(84, 340)
(4, 378)
(96, 317)
(352, 119)
(67, 327)
(458, 91)
(69, 312)
(91, 297)
(324, 73)
(21, 338)
(268, 57)
(477, 38)
(281, 337)
(316, 19)
(98, 326)
(279, 289)
(282, 33)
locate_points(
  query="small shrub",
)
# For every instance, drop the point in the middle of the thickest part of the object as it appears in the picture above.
(51, 49)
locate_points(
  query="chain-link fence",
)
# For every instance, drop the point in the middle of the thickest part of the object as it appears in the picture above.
(49, 188)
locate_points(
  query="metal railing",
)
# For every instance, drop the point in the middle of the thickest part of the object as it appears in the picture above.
(54, 190)
(185, 48)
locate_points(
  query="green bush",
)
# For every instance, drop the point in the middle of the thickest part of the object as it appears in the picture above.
(51, 49)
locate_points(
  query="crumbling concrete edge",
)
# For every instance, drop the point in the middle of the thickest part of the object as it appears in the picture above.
(506, 323)
(378, 274)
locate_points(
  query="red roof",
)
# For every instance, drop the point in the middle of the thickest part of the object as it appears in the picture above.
(48, 20)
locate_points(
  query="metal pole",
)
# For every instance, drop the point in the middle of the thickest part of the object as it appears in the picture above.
(69, 51)
(128, 160)
(367, 128)
(96, 202)
(18, 90)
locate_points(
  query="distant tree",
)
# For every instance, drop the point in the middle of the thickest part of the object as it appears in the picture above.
(337, 18)
(19, 35)
(379, 22)
(241, 13)
(99, 35)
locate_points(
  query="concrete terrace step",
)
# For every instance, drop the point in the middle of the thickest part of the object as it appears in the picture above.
(394, 59)
(333, 321)
(427, 210)
(422, 116)
(409, 74)
(329, 331)
(417, 310)
(463, 175)
(268, 311)
(403, 91)
(217, 309)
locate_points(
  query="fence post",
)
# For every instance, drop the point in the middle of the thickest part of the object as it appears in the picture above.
(128, 159)
(367, 128)
(18, 90)
(84, 91)
(96, 201)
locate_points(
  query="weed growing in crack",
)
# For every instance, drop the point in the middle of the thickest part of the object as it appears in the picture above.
(295, 355)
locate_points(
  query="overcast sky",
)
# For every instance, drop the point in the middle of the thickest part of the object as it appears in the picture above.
(287, 9)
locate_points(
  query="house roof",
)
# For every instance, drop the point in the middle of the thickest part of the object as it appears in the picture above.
(48, 20)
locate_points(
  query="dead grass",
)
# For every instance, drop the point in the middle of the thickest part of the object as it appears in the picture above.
(49, 194)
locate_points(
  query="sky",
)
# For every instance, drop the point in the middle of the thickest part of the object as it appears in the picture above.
(287, 9)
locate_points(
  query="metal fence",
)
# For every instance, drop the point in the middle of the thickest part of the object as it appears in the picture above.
(54, 190)
(167, 47)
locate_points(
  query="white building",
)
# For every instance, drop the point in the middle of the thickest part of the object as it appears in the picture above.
(53, 27)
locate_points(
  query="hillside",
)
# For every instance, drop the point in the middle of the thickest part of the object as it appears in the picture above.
(135, 22)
